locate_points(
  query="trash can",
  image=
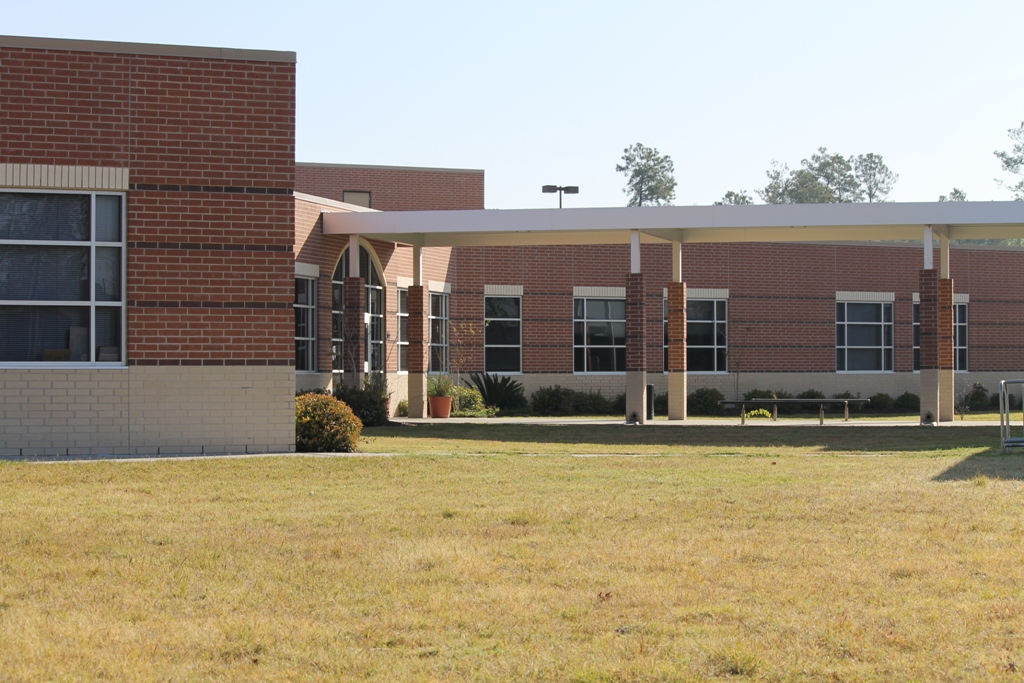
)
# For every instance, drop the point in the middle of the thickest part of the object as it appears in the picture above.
(650, 401)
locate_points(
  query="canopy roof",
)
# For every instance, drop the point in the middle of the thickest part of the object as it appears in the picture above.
(757, 223)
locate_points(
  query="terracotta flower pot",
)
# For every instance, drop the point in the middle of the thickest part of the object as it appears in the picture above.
(440, 406)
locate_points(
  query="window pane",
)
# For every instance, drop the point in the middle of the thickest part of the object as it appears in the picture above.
(44, 217)
(888, 335)
(301, 353)
(887, 313)
(577, 309)
(502, 332)
(617, 309)
(720, 337)
(501, 359)
(840, 335)
(108, 273)
(863, 359)
(917, 313)
(887, 354)
(917, 335)
(437, 358)
(302, 322)
(840, 312)
(336, 326)
(108, 334)
(30, 273)
(961, 314)
(437, 331)
(961, 336)
(700, 360)
(864, 335)
(917, 359)
(721, 357)
(700, 334)
(337, 300)
(108, 218)
(601, 360)
(403, 358)
(578, 359)
(501, 307)
(720, 310)
(403, 329)
(403, 301)
(599, 334)
(840, 359)
(961, 359)
(700, 310)
(619, 333)
(597, 309)
(863, 313)
(44, 333)
(620, 359)
(577, 333)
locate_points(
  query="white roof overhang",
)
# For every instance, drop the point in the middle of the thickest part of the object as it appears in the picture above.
(760, 223)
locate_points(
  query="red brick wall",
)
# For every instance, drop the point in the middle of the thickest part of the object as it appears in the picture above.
(210, 145)
(395, 189)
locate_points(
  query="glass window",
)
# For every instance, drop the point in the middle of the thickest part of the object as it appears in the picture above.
(374, 307)
(503, 334)
(403, 330)
(863, 336)
(599, 335)
(305, 324)
(707, 335)
(62, 260)
(438, 322)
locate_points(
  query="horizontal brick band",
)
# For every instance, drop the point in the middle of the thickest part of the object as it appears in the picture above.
(209, 304)
(209, 247)
(212, 361)
(229, 189)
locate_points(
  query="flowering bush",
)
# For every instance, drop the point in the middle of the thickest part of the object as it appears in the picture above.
(323, 424)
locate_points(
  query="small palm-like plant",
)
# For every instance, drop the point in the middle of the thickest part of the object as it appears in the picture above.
(503, 392)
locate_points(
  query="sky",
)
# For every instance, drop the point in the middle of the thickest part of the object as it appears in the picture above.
(551, 92)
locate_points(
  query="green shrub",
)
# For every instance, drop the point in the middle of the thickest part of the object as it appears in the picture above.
(812, 394)
(441, 385)
(403, 408)
(661, 404)
(369, 402)
(503, 393)
(907, 403)
(977, 398)
(854, 407)
(467, 402)
(323, 424)
(787, 408)
(759, 394)
(618, 405)
(704, 401)
(881, 403)
(558, 400)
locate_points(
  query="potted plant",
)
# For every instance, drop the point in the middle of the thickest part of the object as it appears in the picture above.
(440, 390)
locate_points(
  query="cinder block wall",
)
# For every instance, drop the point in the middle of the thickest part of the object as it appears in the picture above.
(208, 139)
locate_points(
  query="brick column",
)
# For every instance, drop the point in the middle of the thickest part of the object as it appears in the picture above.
(945, 348)
(676, 351)
(418, 342)
(636, 349)
(354, 331)
(929, 334)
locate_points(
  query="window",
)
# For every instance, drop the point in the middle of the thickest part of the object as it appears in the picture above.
(863, 336)
(305, 324)
(959, 337)
(599, 335)
(374, 307)
(438, 320)
(503, 334)
(707, 337)
(403, 330)
(62, 263)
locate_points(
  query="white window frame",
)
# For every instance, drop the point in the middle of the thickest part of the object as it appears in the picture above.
(92, 303)
(519, 346)
(402, 333)
(886, 333)
(443, 343)
(584, 322)
(715, 322)
(310, 360)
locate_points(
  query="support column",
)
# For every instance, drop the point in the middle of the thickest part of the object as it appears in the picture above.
(676, 351)
(946, 349)
(354, 330)
(636, 337)
(417, 351)
(928, 288)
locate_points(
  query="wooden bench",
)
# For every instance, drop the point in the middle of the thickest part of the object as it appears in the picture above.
(774, 403)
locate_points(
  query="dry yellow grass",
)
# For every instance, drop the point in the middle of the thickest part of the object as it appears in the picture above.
(512, 568)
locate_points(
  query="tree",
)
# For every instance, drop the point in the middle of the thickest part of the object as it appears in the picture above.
(649, 180)
(874, 176)
(777, 189)
(731, 198)
(1013, 161)
(957, 195)
(835, 172)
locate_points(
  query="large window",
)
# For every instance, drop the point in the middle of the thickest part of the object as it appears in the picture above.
(438, 320)
(863, 336)
(403, 330)
(62, 263)
(503, 334)
(707, 347)
(305, 324)
(959, 337)
(599, 335)
(374, 307)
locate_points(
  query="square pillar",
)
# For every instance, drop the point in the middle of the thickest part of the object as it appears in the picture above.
(946, 349)
(354, 331)
(417, 351)
(676, 351)
(929, 334)
(636, 350)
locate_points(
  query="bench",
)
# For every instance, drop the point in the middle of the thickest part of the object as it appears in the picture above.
(774, 403)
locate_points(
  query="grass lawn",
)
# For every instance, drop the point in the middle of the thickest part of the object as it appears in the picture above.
(839, 554)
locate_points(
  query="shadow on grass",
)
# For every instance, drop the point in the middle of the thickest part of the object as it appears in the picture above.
(983, 440)
(992, 465)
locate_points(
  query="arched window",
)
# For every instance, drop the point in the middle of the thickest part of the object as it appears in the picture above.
(374, 360)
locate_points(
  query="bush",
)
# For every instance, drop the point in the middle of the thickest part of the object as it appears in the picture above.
(323, 424)
(811, 394)
(854, 407)
(467, 402)
(881, 403)
(704, 401)
(1011, 399)
(403, 408)
(759, 394)
(977, 398)
(618, 404)
(907, 403)
(787, 408)
(369, 402)
(503, 393)
(660, 404)
(558, 400)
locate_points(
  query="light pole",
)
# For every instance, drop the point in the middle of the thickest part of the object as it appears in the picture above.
(568, 189)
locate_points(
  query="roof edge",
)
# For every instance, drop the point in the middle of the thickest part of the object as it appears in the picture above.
(332, 203)
(73, 45)
(313, 164)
